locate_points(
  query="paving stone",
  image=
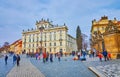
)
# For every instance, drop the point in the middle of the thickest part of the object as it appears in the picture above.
(110, 68)
(26, 69)
(65, 68)
(4, 69)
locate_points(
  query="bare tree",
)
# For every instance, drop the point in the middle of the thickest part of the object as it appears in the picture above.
(90, 40)
(85, 46)
(84, 42)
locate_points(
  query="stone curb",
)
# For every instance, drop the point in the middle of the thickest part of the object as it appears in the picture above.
(97, 73)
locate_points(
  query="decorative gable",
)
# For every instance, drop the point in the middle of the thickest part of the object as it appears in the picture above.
(111, 28)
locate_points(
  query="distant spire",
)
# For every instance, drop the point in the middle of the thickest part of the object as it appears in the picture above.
(104, 17)
(48, 19)
(114, 18)
(32, 29)
(51, 21)
(42, 19)
(36, 21)
(64, 24)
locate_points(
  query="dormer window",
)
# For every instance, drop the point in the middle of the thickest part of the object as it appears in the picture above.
(41, 28)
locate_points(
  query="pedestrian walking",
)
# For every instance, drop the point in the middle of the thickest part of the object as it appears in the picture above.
(36, 55)
(47, 57)
(105, 54)
(78, 54)
(14, 59)
(18, 60)
(44, 56)
(55, 55)
(89, 53)
(59, 55)
(94, 52)
(51, 57)
(6, 58)
(109, 56)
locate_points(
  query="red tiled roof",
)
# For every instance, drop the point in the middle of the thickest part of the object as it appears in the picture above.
(15, 41)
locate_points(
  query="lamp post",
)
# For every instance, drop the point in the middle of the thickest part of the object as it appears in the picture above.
(41, 30)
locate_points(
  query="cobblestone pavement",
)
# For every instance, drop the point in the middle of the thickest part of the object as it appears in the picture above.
(109, 68)
(65, 68)
(4, 69)
(26, 69)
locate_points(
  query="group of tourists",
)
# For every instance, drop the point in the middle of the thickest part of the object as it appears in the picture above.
(80, 55)
(16, 59)
(105, 55)
(47, 56)
(92, 53)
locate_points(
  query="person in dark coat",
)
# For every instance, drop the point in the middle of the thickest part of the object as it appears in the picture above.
(14, 59)
(51, 57)
(18, 60)
(36, 55)
(47, 57)
(105, 54)
(6, 58)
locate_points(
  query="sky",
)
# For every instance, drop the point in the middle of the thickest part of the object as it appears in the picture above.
(16, 15)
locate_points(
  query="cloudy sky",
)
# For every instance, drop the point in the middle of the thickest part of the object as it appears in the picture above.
(16, 15)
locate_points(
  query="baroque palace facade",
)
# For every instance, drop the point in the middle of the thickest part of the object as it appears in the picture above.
(105, 35)
(48, 37)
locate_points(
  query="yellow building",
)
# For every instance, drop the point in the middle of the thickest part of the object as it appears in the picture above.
(16, 47)
(105, 35)
(48, 37)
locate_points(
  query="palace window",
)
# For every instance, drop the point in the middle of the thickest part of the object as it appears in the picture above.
(45, 44)
(50, 36)
(29, 45)
(45, 37)
(37, 39)
(24, 45)
(50, 44)
(54, 44)
(54, 35)
(37, 44)
(33, 39)
(29, 40)
(60, 43)
(33, 45)
(50, 49)
(60, 34)
(25, 40)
